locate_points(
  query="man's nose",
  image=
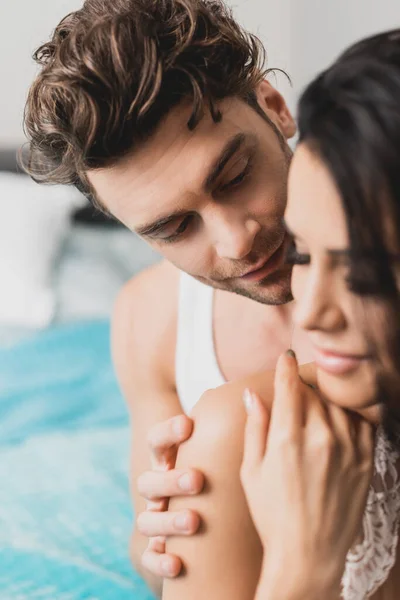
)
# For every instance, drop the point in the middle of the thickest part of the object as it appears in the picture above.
(234, 239)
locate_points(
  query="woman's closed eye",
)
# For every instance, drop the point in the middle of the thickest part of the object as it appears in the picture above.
(294, 257)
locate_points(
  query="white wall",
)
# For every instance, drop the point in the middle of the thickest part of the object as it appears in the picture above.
(321, 29)
(24, 25)
(271, 21)
(301, 37)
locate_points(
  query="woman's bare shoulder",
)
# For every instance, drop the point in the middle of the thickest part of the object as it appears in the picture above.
(262, 383)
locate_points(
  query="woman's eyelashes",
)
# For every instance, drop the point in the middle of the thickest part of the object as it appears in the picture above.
(294, 257)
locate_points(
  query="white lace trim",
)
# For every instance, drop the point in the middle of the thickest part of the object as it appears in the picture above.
(369, 563)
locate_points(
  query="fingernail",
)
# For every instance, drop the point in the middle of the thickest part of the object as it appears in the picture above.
(248, 401)
(185, 483)
(181, 522)
(166, 566)
(290, 353)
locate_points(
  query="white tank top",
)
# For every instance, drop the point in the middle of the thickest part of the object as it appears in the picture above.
(196, 368)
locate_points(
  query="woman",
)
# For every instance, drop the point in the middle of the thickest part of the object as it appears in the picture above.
(344, 215)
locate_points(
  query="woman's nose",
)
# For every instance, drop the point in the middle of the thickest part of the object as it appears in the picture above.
(318, 305)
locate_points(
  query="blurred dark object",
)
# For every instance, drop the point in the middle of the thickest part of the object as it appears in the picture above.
(88, 214)
(8, 161)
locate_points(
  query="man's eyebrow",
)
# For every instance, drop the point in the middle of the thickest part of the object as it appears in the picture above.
(230, 149)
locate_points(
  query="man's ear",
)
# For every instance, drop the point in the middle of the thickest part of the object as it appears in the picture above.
(275, 107)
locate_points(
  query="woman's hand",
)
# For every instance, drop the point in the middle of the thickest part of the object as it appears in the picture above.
(306, 473)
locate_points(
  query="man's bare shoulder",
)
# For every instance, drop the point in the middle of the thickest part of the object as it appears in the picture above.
(152, 288)
(144, 323)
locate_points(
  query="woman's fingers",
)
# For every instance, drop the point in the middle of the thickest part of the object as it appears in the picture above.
(256, 431)
(317, 417)
(355, 434)
(366, 443)
(345, 428)
(287, 412)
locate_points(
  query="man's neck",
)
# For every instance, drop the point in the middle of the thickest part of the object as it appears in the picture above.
(282, 314)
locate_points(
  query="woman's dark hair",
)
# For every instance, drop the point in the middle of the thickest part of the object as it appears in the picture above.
(349, 116)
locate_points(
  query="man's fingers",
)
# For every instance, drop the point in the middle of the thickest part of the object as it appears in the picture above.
(165, 436)
(256, 431)
(157, 544)
(165, 524)
(161, 564)
(154, 485)
(157, 505)
(287, 412)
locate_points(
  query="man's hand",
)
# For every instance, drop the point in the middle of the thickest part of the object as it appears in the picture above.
(157, 487)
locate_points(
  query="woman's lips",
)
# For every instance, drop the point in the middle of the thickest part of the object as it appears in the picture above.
(336, 363)
(270, 265)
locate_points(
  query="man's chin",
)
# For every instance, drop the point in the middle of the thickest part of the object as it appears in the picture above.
(274, 290)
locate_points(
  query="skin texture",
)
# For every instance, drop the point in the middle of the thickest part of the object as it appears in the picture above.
(152, 379)
(229, 543)
(296, 501)
(231, 218)
(332, 318)
(147, 381)
(236, 227)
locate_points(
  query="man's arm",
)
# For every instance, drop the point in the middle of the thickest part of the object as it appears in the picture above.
(143, 344)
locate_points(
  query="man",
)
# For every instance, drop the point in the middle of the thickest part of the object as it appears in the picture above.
(160, 113)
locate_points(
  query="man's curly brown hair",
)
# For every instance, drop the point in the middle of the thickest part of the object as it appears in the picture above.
(114, 69)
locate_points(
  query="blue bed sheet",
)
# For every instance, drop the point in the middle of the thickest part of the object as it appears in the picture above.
(65, 511)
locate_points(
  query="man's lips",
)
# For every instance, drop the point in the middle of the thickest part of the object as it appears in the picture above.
(338, 363)
(266, 267)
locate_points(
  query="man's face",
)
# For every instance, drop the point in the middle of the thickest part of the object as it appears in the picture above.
(211, 201)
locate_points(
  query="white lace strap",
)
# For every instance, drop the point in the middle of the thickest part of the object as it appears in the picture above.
(369, 563)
